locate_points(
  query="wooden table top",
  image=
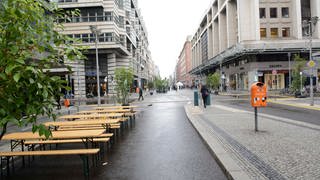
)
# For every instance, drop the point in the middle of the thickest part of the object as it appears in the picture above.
(55, 135)
(82, 122)
(91, 116)
(115, 107)
(105, 111)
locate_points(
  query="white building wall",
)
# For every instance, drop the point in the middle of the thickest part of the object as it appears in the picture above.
(249, 24)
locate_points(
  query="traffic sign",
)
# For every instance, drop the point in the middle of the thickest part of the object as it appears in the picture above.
(311, 63)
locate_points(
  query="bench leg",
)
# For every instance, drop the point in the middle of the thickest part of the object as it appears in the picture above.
(85, 161)
(8, 167)
(1, 166)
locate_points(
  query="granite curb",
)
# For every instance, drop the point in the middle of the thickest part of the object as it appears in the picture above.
(223, 157)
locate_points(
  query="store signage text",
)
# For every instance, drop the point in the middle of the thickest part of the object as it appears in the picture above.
(275, 66)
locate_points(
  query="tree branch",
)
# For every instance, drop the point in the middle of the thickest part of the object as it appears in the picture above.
(4, 130)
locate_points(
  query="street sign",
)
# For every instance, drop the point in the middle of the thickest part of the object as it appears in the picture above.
(311, 63)
(260, 74)
(309, 72)
(274, 72)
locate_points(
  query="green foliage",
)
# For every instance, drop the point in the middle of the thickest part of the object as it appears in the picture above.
(124, 80)
(150, 84)
(299, 65)
(213, 81)
(161, 84)
(30, 44)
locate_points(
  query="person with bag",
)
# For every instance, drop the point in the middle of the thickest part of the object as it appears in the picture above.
(204, 93)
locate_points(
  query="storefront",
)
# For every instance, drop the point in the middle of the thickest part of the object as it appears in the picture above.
(274, 81)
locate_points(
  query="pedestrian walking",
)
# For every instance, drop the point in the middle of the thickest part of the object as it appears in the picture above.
(57, 97)
(140, 94)
(204, 93)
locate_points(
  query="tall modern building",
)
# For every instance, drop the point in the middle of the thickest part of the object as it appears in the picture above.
(256, 40)
(122, 42)
(183, 65)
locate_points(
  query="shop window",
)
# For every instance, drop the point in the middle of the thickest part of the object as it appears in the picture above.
(285, 12)
(263, 32)
(273, 13)
(274, 33)
(286, 32)
(262, 13)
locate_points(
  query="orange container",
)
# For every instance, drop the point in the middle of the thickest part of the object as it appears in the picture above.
(258, 95)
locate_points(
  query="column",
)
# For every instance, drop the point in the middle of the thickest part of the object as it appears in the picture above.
(112, 65)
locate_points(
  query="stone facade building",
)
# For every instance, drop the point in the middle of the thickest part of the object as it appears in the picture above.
(122, 42)
(184, 64)
(256, 40)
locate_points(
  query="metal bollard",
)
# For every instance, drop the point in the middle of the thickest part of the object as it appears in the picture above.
(208, 100)
(196, 98)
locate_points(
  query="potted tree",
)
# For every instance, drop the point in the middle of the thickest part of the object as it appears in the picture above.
(213, 82)
(123, 82)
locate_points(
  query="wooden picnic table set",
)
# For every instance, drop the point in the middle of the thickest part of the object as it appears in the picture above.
(87, 127)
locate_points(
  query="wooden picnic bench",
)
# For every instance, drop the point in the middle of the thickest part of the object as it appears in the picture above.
(104, 111)
(82, 124)
(91, 116)
(115, 107)
(83, 153)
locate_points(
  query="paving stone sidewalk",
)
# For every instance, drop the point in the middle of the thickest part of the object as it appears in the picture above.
(282, 149)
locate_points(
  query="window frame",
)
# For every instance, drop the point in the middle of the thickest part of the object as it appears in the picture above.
(282, 12)
(277, 30)
(271, 12)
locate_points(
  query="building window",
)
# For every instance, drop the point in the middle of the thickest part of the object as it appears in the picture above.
(286, 32)
(263, 32)
(273, 13)
(285, 12)
(85, 38)
(262, 13)
(274, 32)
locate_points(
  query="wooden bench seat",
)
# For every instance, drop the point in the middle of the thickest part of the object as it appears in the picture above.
(62, 128)
(106, 135)
(49, 152)
(61, 141)
(114, 126)
(84, 154)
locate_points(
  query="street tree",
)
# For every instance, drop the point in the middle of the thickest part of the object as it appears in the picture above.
(30, 45)
(299, 66)
(213, 81)
(161, 84)
(123, 83)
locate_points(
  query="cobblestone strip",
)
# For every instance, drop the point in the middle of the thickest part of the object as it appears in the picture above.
(243, 152)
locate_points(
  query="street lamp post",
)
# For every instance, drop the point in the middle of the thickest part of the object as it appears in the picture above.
(309, 24)
(289, 58)
(96, 32)
(300, 81)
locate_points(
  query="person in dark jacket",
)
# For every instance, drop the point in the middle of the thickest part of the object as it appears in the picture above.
(204, 93)
(140, 94)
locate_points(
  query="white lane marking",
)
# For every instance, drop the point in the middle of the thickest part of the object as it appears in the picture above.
(270, 117)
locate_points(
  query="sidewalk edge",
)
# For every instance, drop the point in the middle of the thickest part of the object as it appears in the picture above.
(223, 158)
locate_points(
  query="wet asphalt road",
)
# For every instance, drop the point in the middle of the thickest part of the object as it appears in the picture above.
(161, 145)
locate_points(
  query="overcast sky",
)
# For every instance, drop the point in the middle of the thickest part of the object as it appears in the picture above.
(168, 24)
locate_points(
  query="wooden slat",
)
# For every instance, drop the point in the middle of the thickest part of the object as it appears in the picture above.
(55, 135)
(106, 135)
(63, 141)
(50, 152)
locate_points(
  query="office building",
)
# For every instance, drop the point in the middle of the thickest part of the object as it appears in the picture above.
(256, 40)
(122, 42)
